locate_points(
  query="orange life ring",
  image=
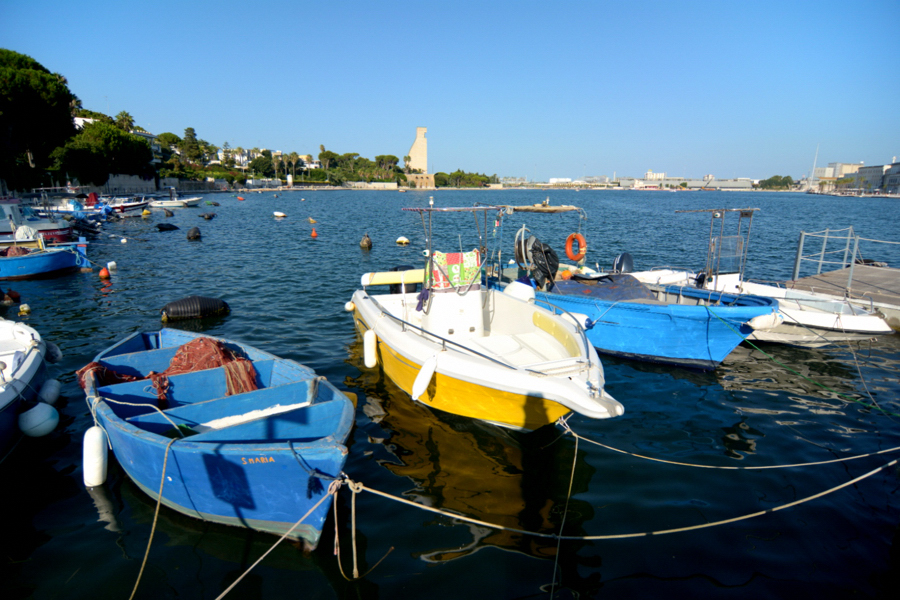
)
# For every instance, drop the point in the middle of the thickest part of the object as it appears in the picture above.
(582, 246)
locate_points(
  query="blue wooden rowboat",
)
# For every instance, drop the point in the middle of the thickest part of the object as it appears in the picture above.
(259, 459)
(43, 261)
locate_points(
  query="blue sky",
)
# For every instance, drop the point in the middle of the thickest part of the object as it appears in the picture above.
(513, 88)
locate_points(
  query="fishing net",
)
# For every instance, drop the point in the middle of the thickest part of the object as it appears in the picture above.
(197, 355)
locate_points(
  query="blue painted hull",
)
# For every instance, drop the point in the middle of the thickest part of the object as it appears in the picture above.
(259, 471)
(46, 263)
(697, 336)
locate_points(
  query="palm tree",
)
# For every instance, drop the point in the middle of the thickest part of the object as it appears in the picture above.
(124, 121)
(293, 157)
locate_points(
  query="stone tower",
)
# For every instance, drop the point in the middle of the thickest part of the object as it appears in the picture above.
(418, 161)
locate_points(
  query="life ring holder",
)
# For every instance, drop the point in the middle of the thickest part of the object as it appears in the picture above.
(582, 247)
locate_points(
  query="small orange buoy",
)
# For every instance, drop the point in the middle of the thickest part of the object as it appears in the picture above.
(314, 234)
(104, 273)
(241, 198)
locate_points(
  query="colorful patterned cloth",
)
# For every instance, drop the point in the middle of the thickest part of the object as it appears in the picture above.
(455, 269)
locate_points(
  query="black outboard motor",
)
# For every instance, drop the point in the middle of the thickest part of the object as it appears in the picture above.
(403, 288)
(546, 264)
(623, 263)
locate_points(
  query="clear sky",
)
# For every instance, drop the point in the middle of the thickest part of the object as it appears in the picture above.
(522, 88)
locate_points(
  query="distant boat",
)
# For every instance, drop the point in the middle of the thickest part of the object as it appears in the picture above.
(243, 437)
(174, 201)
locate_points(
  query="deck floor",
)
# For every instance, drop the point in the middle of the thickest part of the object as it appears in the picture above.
(881, 284)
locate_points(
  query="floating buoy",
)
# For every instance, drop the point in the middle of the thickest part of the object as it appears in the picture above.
(314, 234)
(279, 215)
(194, 233)
(124, 241)
(104, 273)
(94, 456)
(111, 265)
(402, 241)
(24, 309)
(194, 307)
(366, 242)
(39, 420)
(54, 354)
(50, 391)
(166, 227)
(208, 216)
(168, 212)
(13, 295)
(370, 347)
(240, 198)
(146, 213)
(350, 306)
(302, 199)
(311, 220)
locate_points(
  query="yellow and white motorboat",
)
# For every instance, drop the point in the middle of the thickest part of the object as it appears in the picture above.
(481, 353)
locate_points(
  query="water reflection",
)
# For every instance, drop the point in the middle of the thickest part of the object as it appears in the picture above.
(511, 479)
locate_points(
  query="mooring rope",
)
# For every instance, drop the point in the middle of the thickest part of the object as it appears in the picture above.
(162, 482)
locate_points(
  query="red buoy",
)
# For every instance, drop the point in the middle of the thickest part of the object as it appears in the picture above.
(104, 273)
(314, 234)
(240, 198)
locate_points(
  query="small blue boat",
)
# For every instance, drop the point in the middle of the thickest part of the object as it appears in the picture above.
(35, 260)
(245, 438)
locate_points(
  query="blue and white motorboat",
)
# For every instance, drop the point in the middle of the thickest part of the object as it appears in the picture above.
(238, 436)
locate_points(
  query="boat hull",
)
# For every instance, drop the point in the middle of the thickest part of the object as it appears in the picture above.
(466, 382)
(22, 380)
(238, 466)
(695, 336)
(47, 263)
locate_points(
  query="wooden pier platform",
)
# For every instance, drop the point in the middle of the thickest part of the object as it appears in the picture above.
(878, 286)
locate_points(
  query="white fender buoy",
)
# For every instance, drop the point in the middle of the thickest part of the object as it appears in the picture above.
(402, 241)
(111, 265)
(50, 391)
(279, 215)
(39, 420)
(124, 241)
(350, 306)
(370, 346)
(94, 456)
(54, 354)
(424, 377)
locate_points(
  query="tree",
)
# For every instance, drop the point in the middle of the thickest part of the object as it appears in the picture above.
(101, 149)
(124, 121)
(406, 160)
(293, 158)
(36, 109)
(263, 165)
(190, 147)
(327, 158)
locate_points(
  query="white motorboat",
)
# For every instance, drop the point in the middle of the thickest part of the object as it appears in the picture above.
(810, 319)
(175, 201)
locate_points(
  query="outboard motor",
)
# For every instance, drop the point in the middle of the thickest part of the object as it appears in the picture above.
(403, 288)
(546, 264)
(623, 263)
(701, 280)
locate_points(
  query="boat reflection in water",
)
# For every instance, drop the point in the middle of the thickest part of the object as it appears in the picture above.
(516, 480)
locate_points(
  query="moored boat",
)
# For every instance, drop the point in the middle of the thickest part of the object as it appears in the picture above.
(467, 349)
(241, 436)
(173, 200)
(18, 221)
(626, 318)
(809, 319)
(33, 259)
(23, 373)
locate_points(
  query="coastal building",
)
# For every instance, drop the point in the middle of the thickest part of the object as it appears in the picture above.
(892, 178)
(417, 166)
(870, 179)
(651, 176)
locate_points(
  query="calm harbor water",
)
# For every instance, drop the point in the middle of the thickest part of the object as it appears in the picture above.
(763, 407)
